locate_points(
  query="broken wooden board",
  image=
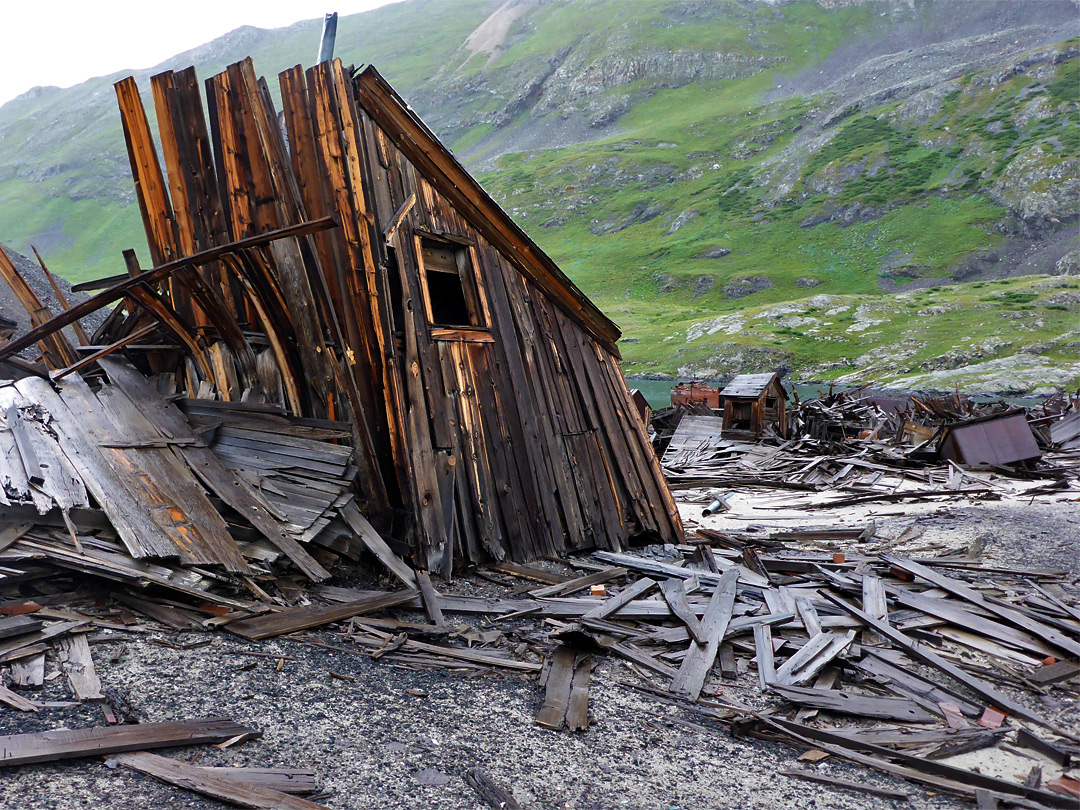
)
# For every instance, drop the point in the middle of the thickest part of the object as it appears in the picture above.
(302, 618)
(50, 746)
(699, 659)
(77, 663)
(215, 784)
(566, 691)
(675, 596)
(833, 700)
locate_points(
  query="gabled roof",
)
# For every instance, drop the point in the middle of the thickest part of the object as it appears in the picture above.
(446, 174)
(751, 385)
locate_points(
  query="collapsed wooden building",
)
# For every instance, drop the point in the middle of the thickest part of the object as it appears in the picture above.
(335, 269)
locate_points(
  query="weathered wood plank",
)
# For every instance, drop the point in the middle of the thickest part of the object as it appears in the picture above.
(77, 663)
(699, 659)
(302, 618)
(613, 604)
(50, 746)
(675, 596)
(215, 784)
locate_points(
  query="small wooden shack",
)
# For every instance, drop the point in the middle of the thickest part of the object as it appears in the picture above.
(753, 402)
(491, 418)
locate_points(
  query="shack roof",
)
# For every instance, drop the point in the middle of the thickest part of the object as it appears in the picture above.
(751, 385)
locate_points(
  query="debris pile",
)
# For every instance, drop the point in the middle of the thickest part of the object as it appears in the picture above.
(345, 352)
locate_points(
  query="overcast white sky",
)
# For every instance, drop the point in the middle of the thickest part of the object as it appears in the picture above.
(64, 42)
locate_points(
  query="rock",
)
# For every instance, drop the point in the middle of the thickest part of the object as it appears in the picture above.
(806, 281)
(1069, 264)
(975, 265)
(742, 287)
(844, 215)
(641, 212)
(715, 253)
(702, 284)
(683, 219)
(1041, 187)
(665, 283)
(432, 777)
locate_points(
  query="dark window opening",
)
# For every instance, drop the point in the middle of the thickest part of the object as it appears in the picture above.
(453, 298)
(741, 416)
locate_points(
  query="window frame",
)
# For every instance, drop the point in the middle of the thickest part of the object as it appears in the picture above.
(468, 276)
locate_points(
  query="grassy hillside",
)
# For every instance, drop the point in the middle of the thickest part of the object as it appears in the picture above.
(700, 162)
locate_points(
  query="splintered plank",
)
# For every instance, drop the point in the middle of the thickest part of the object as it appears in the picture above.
(206, 465)
(874, 604)
(847, 784)
(1014, 617)
(15, 701)
(29, 672)
(578, 583)
(924, 654)
(376, 545)
(821, 649)
(284, 780)
(18, 626)
(215, 784)
(530, 572)
(763, 646)
(621, 599)
(699, 659)
(560, 678)
(833, 700)
(675, 596)
(288, 621)
(497, 798)
(50, 746)
(577, 712)
(78, 664)
(430, 598)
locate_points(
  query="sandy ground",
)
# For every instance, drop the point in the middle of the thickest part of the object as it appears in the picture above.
(374, 744)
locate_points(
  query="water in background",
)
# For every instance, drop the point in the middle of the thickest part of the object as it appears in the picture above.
(658, 392)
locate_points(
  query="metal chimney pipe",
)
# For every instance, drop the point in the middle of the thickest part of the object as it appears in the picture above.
(329, 34)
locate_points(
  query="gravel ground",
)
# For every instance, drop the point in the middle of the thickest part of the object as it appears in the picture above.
(374, 744)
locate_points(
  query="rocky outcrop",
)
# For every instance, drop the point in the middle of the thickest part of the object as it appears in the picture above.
(742, 287)
(1041, 186)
